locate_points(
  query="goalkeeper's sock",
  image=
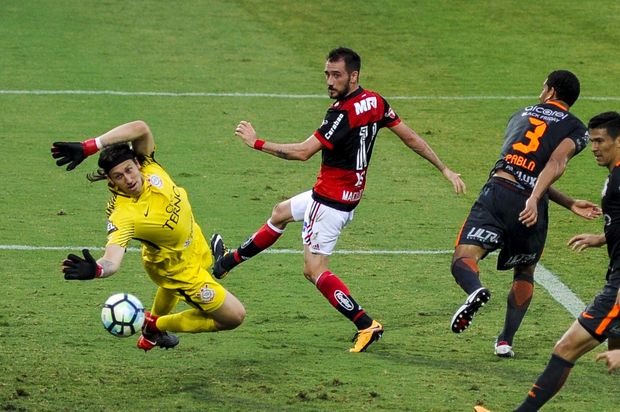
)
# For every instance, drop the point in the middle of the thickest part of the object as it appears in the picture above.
(190, 321)
(150, 324)
(338, 295)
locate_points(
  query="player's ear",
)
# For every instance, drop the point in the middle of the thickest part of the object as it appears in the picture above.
(355, 76)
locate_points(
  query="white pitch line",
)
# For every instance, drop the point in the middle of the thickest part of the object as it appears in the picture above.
(273, 95)
(554, 286)
(558, 290)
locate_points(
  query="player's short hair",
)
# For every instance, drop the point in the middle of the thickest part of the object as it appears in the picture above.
(566, 85)
(352, 60)
(109, 158)
(609, 121)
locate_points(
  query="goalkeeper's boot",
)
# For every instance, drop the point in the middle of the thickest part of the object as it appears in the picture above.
(465, 314)
(363, 338)
(151, 336)
(480, 408)
(224, 259)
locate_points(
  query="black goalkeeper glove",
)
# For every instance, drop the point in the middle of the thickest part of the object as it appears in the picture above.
(76, 268)
(73, 153)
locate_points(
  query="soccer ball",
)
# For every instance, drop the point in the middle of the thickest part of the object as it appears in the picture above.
(122, 314)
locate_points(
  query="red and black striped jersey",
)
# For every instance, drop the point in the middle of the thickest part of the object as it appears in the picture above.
(532, 134)
(348, 136)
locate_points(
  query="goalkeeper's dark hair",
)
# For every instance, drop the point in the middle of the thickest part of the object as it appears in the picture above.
(352, 60)
(566, 85)
(609, 121)
(110, 157)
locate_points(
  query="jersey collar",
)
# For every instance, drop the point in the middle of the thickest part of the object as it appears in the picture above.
(559, 104)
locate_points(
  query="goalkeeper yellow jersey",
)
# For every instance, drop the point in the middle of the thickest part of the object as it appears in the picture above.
(175, 253)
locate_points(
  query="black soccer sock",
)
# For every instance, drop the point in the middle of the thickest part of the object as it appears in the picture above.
(466, 274)
(547, 384)
(518, 302)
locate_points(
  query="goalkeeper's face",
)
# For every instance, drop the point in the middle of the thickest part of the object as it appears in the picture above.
(127, 178)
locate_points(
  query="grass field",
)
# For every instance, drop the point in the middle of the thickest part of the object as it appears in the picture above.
(453, 70)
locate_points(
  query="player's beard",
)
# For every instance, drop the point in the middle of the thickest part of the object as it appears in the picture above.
(342, 94)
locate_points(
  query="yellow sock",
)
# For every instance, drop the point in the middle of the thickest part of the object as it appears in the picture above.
(190, 321)
(165, 300)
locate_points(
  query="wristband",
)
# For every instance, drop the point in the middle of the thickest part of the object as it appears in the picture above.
(99, 271)
(258, 144)
(90, 146)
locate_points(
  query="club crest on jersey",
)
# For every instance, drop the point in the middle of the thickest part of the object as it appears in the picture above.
(111, 228)
(156, 181)
(207, 294)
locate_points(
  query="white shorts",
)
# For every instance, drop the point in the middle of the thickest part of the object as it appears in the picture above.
(322, 224)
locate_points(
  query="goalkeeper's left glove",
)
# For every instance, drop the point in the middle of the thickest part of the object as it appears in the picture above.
(76, 268)
(73, 153)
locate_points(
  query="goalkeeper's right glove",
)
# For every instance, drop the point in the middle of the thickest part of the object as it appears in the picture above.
(73, 153)
(76, 268)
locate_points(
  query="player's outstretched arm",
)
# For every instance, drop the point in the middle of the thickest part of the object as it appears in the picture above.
(583, 208)
(74, 153)
(413, 141)
(85, 268)
(288, 151)
(585, 240)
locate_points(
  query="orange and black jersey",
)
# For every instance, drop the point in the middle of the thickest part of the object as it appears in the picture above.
(532, 134)
(611, 213)
(348, 135)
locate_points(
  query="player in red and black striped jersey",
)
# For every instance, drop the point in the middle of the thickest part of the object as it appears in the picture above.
(600, 321)
(511, 211)
(346, 140)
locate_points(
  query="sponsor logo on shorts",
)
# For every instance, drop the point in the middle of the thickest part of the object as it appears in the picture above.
(521, 259)
(614, 331)
(483, 235)
(343, 300)
(207, 294)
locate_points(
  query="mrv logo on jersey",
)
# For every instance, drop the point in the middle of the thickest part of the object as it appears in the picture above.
(365, 105)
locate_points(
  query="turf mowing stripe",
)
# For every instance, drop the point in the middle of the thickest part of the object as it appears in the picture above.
(558, 290)
(274, 95)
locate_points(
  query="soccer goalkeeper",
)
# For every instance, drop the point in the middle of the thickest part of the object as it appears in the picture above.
(148, 206)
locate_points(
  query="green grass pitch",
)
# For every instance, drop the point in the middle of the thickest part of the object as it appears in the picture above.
(453, 70)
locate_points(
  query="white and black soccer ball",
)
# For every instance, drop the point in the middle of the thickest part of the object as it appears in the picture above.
(122, 314)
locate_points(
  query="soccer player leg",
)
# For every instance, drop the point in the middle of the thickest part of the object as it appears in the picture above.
(282, 214)
(153, 333)
(517, 304)
(322, 227)
(164, 302)
(573, 344)
(465, 271)
(213, 309)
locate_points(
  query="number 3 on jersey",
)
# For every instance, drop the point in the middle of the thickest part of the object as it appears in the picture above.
(540, 128)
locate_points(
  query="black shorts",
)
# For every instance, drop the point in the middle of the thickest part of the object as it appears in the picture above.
(493, 223)
(602, 317)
